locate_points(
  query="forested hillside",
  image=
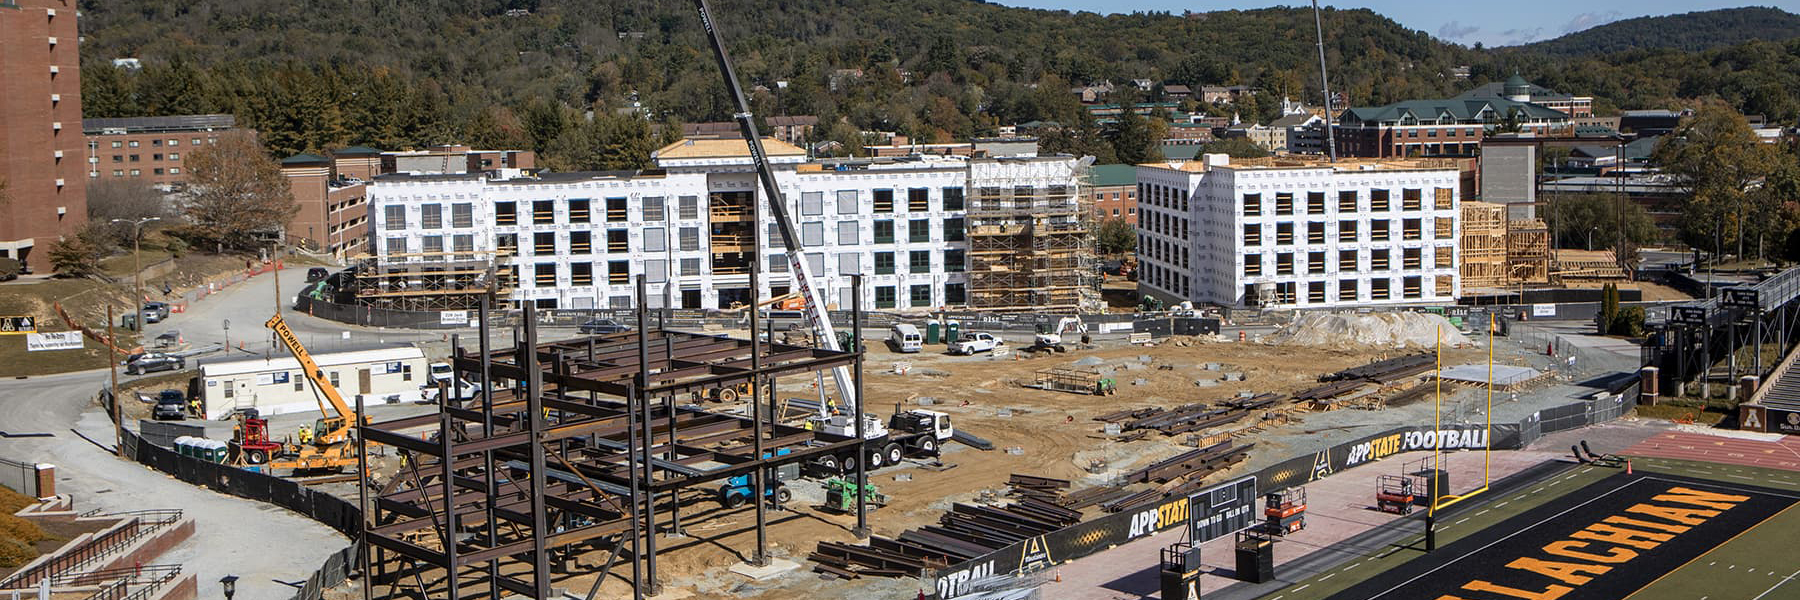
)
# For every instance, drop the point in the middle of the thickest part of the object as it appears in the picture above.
(1693, 31)
(520, 73)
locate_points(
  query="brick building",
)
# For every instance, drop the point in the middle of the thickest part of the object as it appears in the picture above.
(1113, 189)
(45, 186)
(150, 149)
(332, 193)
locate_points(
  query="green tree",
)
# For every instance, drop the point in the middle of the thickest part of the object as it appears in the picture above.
(607, 143)
(236, 192)
(1133, 141)
(1235, 148)
(1720, 159)
(1609, 307)
(1116, 236)
(1603, 218)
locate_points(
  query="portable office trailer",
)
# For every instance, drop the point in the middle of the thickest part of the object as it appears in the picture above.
(276, 385)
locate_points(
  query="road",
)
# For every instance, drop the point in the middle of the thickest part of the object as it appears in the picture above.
(232, 536)
(234, 318)
(267, 547)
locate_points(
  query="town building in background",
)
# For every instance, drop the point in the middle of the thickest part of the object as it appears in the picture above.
(150, 149)
(1113, 189)
(795, 129)
(1516, 89)
(578, 240)
(43, 164)
(455, 159)
(1296, 232)
(1454, 127)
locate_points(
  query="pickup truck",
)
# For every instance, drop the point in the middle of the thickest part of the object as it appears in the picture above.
(976, 342)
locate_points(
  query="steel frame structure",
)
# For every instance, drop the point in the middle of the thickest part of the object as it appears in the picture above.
(574, 447)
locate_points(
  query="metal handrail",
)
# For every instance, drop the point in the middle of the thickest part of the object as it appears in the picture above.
(138, 524)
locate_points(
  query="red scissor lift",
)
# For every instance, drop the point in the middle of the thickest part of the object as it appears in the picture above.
(1396, 494)
(1284, 512)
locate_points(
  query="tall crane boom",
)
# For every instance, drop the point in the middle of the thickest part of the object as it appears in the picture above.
(320, 383)
(816, 317)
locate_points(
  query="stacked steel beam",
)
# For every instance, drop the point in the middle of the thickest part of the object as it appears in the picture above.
(967, 531)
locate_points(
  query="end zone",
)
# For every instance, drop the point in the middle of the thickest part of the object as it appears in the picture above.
(1604, 542)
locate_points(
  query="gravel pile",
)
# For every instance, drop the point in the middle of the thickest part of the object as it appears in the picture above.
(1384, 329)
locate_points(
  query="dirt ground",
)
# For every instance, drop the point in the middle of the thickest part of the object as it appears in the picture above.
(1653, 292)
(976, 391)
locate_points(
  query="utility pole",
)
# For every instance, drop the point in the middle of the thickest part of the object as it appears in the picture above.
(137, 261)
(112, 365)
(275, 274)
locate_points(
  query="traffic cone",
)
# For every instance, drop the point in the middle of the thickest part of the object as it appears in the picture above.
(1628, 467)
(1059, 575)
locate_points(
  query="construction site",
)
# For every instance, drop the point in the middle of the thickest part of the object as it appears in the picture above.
(1030, 246)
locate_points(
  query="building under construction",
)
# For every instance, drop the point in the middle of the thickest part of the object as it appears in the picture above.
(578, 449)
(429, 281)
(1030, 240)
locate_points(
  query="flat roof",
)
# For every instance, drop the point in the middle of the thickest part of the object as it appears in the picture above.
(159, 124)
(289, 363)
(724, 148)
(1343, 165)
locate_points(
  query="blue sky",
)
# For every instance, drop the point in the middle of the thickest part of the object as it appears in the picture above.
(1493, 24)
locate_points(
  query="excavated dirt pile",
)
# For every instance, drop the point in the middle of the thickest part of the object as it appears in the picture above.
(1350, 330)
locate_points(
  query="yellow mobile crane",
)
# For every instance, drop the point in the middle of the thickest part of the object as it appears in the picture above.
(329, 448)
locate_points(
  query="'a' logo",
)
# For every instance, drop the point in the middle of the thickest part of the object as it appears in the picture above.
(1752, 420)
(1036, 555)
(1321, 465)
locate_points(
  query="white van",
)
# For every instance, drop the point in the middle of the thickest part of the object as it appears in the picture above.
(906, 338)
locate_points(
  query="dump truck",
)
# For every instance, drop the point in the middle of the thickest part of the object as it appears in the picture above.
(1076, 381)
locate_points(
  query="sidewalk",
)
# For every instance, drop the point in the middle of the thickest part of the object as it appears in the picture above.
(1339, 507)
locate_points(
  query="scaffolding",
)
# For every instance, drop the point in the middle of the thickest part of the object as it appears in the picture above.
(1484, 255)
(577, 448)
(425, 281)
(1528, 251)
(1030, 236)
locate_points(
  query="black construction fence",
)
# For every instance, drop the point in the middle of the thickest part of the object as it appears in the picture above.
(1616, 396)
(319, 506)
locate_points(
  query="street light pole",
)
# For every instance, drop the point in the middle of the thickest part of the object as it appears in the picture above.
(137, 261)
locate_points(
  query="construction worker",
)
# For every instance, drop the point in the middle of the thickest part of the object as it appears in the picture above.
(305, 434)
(195, 408)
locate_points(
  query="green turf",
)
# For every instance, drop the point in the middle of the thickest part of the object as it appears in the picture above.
(1762, 548)
(1752, 563)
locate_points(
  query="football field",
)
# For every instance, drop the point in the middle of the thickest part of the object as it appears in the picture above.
(1671, 529)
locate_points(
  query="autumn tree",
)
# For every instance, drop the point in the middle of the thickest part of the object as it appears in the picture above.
(79, 255)
(236, 192)
(119, 198)
(1721, 160)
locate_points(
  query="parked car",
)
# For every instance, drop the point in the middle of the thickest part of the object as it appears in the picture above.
(602, 327)
(976, 342)
(153, 362)
(316, 273)
(161, 308)
(171, 405)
